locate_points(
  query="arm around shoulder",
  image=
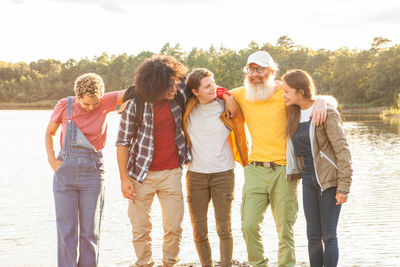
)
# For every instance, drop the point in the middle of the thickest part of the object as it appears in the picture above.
(319, 111)
(329, 100)
(120, 96)
(232, 108)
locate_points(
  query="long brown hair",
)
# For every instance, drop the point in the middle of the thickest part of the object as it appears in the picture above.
(194, 78)
(299, 80)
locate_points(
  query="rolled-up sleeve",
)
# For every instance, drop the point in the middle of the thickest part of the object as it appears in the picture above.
(126, 123)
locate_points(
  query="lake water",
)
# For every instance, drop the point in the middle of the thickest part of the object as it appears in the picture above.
(369, 227)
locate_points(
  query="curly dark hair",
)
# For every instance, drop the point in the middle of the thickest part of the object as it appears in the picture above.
(156, 75)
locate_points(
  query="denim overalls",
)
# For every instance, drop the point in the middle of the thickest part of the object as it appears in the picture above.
(320, 209)
(79, 197)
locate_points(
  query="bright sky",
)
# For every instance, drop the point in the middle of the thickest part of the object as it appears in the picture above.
(64, 29)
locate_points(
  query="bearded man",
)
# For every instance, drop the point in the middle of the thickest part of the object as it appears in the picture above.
(266, 183)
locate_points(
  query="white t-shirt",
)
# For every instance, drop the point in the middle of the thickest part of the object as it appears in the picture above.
(211, 148)
(305, 114)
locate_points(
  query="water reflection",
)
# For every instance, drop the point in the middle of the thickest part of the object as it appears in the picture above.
(369, 228)
(393, 122)
(373, 220)
(361, 117)
(374, 124)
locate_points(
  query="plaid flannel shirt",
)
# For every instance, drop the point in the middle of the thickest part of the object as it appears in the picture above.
(141, 151)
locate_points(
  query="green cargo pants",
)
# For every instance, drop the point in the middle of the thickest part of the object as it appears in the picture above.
(264, 186)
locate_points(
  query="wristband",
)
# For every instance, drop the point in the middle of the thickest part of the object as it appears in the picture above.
(221, 91)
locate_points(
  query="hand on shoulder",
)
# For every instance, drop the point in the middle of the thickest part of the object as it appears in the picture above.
(278, 85)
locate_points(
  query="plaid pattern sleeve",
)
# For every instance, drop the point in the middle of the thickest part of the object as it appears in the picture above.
(125, 131)
(180, 139)
(141, 149)
(184, 91)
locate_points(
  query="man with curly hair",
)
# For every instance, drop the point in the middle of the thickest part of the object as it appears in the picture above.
(151, 155)
(151, 163)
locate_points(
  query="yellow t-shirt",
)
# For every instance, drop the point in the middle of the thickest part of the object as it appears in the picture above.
(266, 122)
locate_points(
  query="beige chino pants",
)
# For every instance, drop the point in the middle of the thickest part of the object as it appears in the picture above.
(168, 187)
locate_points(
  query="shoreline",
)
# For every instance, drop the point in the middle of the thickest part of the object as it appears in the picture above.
(391, 116)
(361, 110)
(39, 105)
(235, 263)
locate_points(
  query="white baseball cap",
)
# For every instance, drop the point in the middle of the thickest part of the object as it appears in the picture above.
(262, 59)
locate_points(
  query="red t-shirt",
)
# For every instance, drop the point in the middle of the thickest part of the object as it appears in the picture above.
(165, 155)
(92, 124)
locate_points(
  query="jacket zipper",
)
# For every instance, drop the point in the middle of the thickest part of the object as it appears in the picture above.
(323, 155)
(315, 167)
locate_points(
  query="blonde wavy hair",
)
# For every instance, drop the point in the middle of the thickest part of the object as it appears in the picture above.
(89, 84)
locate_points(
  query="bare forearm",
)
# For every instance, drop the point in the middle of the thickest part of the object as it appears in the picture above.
(231, 106)
(120, 96)
(127, 188)
(122, 159)
(51, 157)
(329, 100)
(49, 147)
(319, 112)
(50, 132)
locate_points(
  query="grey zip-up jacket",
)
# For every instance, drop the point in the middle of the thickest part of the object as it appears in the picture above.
(331, 155)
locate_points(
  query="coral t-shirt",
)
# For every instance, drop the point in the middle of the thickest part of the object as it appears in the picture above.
(165, 155)
(92, 124)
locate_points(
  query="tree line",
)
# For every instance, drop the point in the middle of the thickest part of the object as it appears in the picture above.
(355, 77)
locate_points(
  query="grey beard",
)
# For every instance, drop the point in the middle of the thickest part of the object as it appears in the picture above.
(259, 92)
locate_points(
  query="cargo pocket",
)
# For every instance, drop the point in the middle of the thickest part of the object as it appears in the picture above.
(292, 205)
(242, 206)
(292, 208)
(228, 206)
(229, 197)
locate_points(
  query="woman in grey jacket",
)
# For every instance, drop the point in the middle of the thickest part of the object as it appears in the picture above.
(319, 155)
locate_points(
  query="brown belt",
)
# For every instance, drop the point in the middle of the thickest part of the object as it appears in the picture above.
(265, 164)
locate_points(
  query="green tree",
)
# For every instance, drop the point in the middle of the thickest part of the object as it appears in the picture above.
(175, 51)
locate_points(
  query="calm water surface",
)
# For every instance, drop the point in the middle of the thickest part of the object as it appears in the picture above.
(369, 227)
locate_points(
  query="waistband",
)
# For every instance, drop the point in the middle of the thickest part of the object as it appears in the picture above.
(265, 164)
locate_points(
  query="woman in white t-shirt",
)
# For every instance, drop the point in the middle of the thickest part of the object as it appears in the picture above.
(215, 143)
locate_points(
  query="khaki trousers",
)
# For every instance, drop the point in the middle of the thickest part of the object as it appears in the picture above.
(168, 187)
(218, 187)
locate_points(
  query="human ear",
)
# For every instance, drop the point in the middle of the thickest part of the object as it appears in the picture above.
(271, 70)
(195, 92)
